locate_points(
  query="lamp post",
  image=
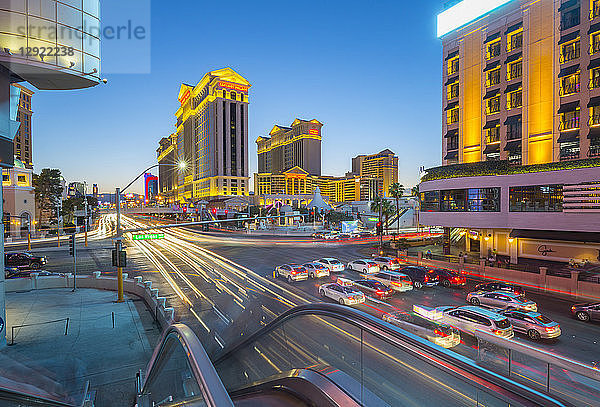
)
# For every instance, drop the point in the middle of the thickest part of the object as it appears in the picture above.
(119, 238)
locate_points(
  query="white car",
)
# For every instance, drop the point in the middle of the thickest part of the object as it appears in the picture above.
(345, 295)
(438, 333)
(332, 264)
(387, 263)
(501, 300)
(468, 319)
(397, 281)
(316, 270)
(293, 272)
(331, 235)
(365, 266)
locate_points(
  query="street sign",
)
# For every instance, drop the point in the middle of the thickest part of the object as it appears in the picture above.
(148, 236)
(372, 219)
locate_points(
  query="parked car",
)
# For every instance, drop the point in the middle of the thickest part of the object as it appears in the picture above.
(387, 263)
(365, 266)
(24, 260)
(438, 333)
(450, 278)
(501, 300)
(317, 235)
(374, 288)
(343, 294)
(421, 276)
(316, 270)
(500, 286)
(293, 272)
(586, 311)
(468, 319)
(331, 235)
(332, 264)
(396, 281)
(533, 324)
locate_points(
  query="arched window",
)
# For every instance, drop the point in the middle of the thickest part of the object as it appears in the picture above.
(224, 94)
(233, 95)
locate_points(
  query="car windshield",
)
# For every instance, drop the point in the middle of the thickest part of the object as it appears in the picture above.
(334, 261)
(543, 319)
(503, 323)
(348, 290)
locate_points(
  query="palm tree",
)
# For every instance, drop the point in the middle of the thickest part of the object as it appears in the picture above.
(396, 189)
(415, 191)
(385, 207)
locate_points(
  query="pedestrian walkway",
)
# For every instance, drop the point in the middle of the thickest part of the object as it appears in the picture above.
(104, 343)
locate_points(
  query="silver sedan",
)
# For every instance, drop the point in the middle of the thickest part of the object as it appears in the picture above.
(532, 324)
(501, 300)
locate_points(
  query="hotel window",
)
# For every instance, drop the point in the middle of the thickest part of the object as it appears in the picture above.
(453, 66)
(594, 116)
(454, 200)
(514, 41)
(594, 147)
(453, 116)
(594, 9)
(453, 90)
(594, 78)
(594, 43)
(569, 120)
(514, 129)
(570, 18)
(514, 70)
(492, 105)
(483, 200)
(569, 150)
(536, 198)
(224, 94)
(492, 77)
(492, 135)
(569, 51)
(22, 179)
(430, 201)
(493, 49)
(452, 143)
(5, 178)
(514, 99)
(570, 84)
(233, 96)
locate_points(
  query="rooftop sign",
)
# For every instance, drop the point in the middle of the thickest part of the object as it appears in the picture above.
(465, 12)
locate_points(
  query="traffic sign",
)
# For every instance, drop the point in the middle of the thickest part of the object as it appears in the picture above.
(148, 236)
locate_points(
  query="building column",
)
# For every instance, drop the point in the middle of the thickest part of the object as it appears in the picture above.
(4, 132)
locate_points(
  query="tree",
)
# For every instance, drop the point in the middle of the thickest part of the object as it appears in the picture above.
(396, 190)
(69, 204)
(387, 209)
(415, 191)
(48, 191)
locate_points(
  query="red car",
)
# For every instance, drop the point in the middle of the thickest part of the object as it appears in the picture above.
(451, 278)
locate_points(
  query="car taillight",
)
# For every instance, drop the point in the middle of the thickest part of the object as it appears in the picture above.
(552, 328)
(497, 331)
(294, 272)
(573, 308)
(439, 333)
(426, 278)
(380, 292)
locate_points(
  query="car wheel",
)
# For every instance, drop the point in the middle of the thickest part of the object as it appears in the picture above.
(385, 267)
(418, 285)
(35, 266)
(290, 279)
(475, 301)
(276, 274)
(322, 293)
(582, 316)
(349, 266)
(312, 275)
(533, 335)
(342, 302)
(446, 283)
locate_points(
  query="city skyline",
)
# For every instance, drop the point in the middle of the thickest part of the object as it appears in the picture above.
(137, 110)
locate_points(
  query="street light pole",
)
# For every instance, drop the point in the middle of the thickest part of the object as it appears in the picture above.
(381, 234)
(119, 247)
(85, 202)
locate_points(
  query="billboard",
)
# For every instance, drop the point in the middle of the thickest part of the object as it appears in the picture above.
(465, 12)
(349, 226)
(150, 186)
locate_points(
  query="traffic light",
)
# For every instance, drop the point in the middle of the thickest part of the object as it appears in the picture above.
(119, 260)
(379, 228)
(72, 245)
(214, 211)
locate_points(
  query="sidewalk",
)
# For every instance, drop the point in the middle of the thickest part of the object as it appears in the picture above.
(92, 350)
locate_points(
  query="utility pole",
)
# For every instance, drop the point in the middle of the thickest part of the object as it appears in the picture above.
(381, 223)
(119, 247)
(73, 252)
(85, 203)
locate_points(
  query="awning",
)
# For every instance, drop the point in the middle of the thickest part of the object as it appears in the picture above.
(451, 133)
(568, 4)
(492, 37)
(583, 237)
(570, 70)
(513, 119)
(568, 137)
(451, 155)
(594, 133)
(594, 28)
(492, 148)
(513, 27)
(451, 106)
(568, 37)
(513, 57)
(451, 55)
(491, 124)
(513, 145)
(452, 80)
(595, 101)
(568, 107)
(594, 63)
(491, 65)
(491, 93)
(512, 87)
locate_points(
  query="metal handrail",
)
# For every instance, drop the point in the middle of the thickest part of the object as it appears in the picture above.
(204, 372)
(450, 362)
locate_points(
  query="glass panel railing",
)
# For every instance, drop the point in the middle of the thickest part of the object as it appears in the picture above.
(374, 362)
(573, 382)
(180, 373)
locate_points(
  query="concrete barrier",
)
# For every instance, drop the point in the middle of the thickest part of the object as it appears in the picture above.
(156, 304)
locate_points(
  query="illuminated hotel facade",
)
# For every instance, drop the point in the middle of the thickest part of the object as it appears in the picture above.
(383, 165)
(211, 137)
(521, 129)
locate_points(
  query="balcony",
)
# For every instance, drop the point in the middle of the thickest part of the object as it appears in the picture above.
(514, 100)
(493, 50)
(515, 71)
(452, 146)
(492, 137)
(595, 10)
(570, 53)
(452, 92)
(595, 46)
(516, 42)
(492, 106)
(594, 83)
(570, 19)
(493, 78)
(569, 124)
(453, 116)
(594, 119)
(570, 87)
(453, 66)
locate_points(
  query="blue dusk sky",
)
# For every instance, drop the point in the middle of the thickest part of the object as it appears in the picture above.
(370, 71)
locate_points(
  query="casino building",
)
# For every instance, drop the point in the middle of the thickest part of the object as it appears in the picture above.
(211, 137)
(520, 173)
